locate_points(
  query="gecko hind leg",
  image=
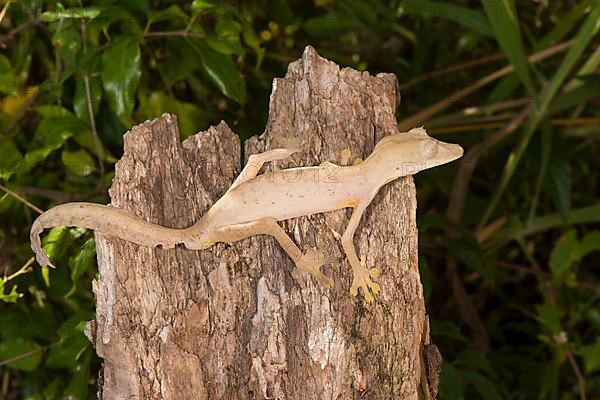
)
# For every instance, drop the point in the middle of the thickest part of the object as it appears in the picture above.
(361, 274)
(308, 262)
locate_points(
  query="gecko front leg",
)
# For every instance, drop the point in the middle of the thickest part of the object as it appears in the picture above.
(308, 262)
(361, 275)
(256, 161)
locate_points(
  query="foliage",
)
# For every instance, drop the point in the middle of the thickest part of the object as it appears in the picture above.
(505, 224)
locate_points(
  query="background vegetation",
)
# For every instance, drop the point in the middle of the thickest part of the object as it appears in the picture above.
(506, 234)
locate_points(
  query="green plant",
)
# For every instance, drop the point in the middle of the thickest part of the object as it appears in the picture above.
(513, 227)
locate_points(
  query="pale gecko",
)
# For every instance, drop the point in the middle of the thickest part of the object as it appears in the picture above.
(255, 203)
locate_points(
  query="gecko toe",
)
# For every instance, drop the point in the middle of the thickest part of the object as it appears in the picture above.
(311, 262)
(374, 272)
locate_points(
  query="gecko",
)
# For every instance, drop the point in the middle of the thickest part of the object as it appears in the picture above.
(255, 203)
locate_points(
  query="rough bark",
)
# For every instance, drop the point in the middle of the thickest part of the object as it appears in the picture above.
(231, 322)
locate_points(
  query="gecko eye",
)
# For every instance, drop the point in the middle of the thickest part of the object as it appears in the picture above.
(431, 149)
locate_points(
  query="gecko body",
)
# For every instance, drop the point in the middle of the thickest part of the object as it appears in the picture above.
(255, 203)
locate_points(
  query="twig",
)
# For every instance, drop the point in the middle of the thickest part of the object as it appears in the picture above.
(90, 108)
(20, 356)
(432, 251)
(4, 9)
(56, 194)
(544, 275)
(453, 68)
(469, 161)
(173, 33)
(455, 211)
(97, 142)
(21, 199)
(578, 374)
(473, 111)
(23, 270)
(420, 117)
(492, 125)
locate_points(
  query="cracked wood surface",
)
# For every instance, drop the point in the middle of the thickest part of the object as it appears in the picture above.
(231, 322)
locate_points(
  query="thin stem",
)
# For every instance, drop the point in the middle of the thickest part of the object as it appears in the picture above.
(173, 33)
(474, 111)
(453, 68)
(20, 356)
(21, 271)
(90, 106)
(419, 118)
(21, 199)
(578, 374)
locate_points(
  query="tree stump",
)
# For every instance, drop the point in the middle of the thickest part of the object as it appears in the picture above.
(231, 322)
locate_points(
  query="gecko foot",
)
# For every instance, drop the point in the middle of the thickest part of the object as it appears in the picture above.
(311, 262)
(362, 279)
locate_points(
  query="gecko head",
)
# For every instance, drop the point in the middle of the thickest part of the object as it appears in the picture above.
(409, 152)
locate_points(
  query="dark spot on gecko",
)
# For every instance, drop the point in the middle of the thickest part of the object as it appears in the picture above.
(180, 245)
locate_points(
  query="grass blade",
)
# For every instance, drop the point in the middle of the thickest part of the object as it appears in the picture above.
(502, 16)
(564, 25)
(584, 36)
(464, 16)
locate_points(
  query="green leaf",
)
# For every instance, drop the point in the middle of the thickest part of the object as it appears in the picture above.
(190, 117)
(591, 356)
(450, 383)
(27, 354)
(52, 390)
(56, 242)
(171, 12)
(586, 33)
(502, 16)
(78, 162)
(467, 17)
(559, 177)
(54, 131)
(11, 157)
(199, 6)
(71, 13)
(586, 89)
(78, 387)
(565, 24)
(564, 254)
(546, 151)
(10, 297)
(252, 41)
(224, 46)
(483, 385)
(72, 343)
(330, 24)
(446, 330)
(228, 28)
(583, 215)
(121, 75)
(52, 110)
(363, 10)
(549, 316)
(83, 260)
(68, 44)
(80, 101)
(222, 71)
(8, 80)
(589, 243)
(471, 253)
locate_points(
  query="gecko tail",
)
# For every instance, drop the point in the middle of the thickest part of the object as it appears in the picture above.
(107, 220)
(36, 244)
